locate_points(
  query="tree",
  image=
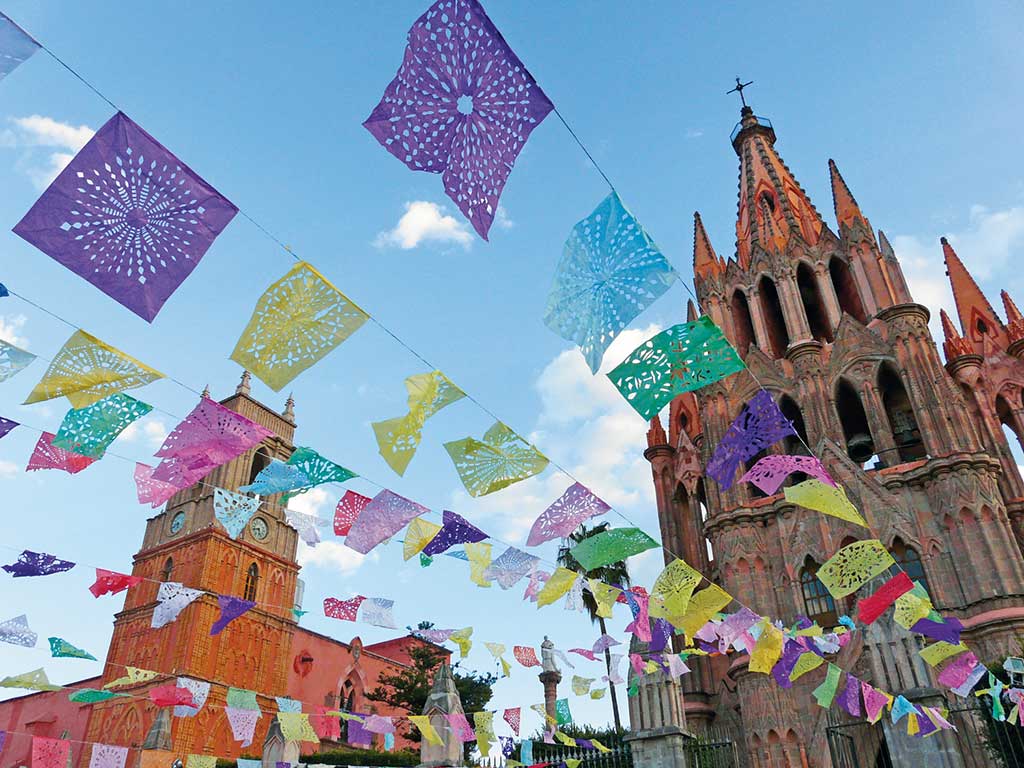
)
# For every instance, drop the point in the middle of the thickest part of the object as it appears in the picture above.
(409, 688)
(615, 574)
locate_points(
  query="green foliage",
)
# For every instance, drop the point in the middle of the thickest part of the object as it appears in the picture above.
(409, 688)
(351, 756)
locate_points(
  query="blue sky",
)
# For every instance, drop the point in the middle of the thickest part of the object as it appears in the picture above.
(915, 104)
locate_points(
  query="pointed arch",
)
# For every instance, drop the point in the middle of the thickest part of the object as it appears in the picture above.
(1006, 418)
(774, 319)
(908, 559)
(168, 569)
(860, 444)
(818, 603)
(742, 321)
(260, 461)
(846, 289)
(899, 411)
(252, 581)
(814, 306)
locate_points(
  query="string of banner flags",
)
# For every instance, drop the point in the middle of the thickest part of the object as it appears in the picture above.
(159, 219)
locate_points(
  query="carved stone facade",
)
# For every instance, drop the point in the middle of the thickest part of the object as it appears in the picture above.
(826, 323)
(264, 650)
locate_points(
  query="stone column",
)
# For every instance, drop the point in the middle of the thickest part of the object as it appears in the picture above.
(657, 736)
(443, 700)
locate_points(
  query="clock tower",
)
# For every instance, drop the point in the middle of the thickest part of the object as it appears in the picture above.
(185, 543)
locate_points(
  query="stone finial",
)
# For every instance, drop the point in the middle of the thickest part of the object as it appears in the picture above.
(705, 261)
(206, 391)
(289, 408)
(845, 206)
(244, 387)
(1014, 325)
(159, 736)
(691, 311)
(954, 345)
(656, 434)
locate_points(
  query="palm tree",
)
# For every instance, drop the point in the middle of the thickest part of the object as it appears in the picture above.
(615, 574)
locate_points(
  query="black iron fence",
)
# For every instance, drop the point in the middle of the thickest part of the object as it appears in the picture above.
(700, 753)
(979, 740)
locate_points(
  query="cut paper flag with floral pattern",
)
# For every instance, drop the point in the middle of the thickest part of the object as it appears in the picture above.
(318, 469)
(92, 695)
(17, 632)
(422, 724)
(561, 581)
(209, 436)
(86, 370)
(307, 526)
(771, 471)
(417, 536)
(233, 510)
(170, 696)
(497, 650)
(16, 47)
(462, 104)
(610, 272)
(62, 648)
(827, 499)
(199, 690)
(703, 605)
(241, 698)
(46, 455)
(581, 685)
(13, 359)
(35, 680)
(201, 761)
(671, 592)
(344, 610)
(276, 477)
(871, 607)
(398, 438)
(151, 491)
(89, 431)
(385, 515)
(456, 530)
(284, 704)
(133, 676)
(349, 508)
(605, 597)
(37, 564)
(460, 727)
(759, 425)
(50, 753)
(463, 639)
(128, 216)
(295, 726)
(379, 612)
(6, 425)
(172, 598)
(912, 606)
(378, 724)
(853, 566)
(479, 556)
(680, 359)
(230, 609)
(525, 655)
(565, 514)
(298, 320)
(611, 546)
(483, 724)
(499, 460)
(510, 567)
(512, 716)
(108, 756)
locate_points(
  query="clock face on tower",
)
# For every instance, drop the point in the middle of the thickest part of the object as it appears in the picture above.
(177, 522)
(259, 528)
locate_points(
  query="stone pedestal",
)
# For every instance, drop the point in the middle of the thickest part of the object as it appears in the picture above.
(443, 700)
(550, 681)
(663, 747)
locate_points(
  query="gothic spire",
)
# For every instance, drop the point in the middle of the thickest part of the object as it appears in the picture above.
(691, 311)
(954, 344)
(1014, 323)
(977, 318)
(705, 261)
(773, 207)
(289, 408)
(245, 384)
(1013, 314)
(846, 208)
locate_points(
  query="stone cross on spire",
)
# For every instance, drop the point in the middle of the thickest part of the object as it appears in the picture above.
(739, 89)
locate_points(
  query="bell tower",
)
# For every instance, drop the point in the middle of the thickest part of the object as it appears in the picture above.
(826, 324)
(184, 543)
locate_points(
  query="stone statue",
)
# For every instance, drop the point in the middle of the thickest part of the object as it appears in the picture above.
(547, 656)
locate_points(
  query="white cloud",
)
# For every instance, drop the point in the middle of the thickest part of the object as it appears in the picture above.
(424, 221)
(151, 432)
(9, 469)
(35, 131)
(987, 246)
(11, 328)
(334, 556)
(311, 502)
(502, 220)
(587, 426)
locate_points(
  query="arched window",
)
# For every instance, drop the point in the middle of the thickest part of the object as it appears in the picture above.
(1005, 416)
(753, 490)
(905, 431)
(165, 574)
(252, 580)
(846, 289)
(347, 702)
(702, 513)
(908, 559)
(741, 321)
(814, 307)
(774, 320)
(860, 446)
(794, 445)
(260, 460)
(818, 603)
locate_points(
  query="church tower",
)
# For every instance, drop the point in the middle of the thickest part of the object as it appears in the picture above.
(184, 543)
(826, 323)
